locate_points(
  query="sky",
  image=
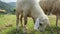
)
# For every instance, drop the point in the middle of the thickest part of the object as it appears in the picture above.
(8, 0)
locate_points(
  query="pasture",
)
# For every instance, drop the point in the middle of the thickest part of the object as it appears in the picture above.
(8, 25)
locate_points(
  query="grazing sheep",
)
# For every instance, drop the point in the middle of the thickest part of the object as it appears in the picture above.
(51, 6)
(56, 10)
(2, 11)
(31, 8)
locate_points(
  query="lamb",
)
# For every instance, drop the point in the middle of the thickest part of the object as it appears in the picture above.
(31, 8)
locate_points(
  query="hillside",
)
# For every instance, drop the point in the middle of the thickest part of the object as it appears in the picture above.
(12, 4)
(5, 6)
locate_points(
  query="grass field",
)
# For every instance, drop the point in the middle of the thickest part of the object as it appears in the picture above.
(8, 25)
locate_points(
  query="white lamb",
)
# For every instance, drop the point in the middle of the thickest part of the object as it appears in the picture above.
(31, 8)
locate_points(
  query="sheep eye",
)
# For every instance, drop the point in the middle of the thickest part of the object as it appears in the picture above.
(40, 24)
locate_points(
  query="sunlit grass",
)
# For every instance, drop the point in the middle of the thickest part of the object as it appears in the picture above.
(11, 19)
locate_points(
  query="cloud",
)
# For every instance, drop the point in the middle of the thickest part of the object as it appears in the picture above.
(8, 0)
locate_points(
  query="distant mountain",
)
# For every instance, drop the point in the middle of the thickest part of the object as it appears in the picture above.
(6, 6)
(12, 4)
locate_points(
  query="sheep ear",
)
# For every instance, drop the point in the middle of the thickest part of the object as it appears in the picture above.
(36, 24)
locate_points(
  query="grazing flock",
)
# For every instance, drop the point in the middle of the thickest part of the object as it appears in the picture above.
(37, 10)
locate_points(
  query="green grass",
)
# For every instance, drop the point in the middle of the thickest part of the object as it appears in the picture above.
(11, 19)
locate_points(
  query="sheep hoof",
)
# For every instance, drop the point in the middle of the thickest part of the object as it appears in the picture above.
(24, 30)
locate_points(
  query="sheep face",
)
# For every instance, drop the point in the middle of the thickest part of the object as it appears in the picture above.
(41, 24)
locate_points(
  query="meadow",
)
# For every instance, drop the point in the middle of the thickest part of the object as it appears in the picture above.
(8, 25)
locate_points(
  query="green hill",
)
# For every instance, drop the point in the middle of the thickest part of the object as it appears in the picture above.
(6, 6)
(12, 4)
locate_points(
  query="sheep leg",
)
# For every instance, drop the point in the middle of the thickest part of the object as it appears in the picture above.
(17, 22)
(25, 13)
(57, 23)
(25, 20)
(24, 27)
(21, 20)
